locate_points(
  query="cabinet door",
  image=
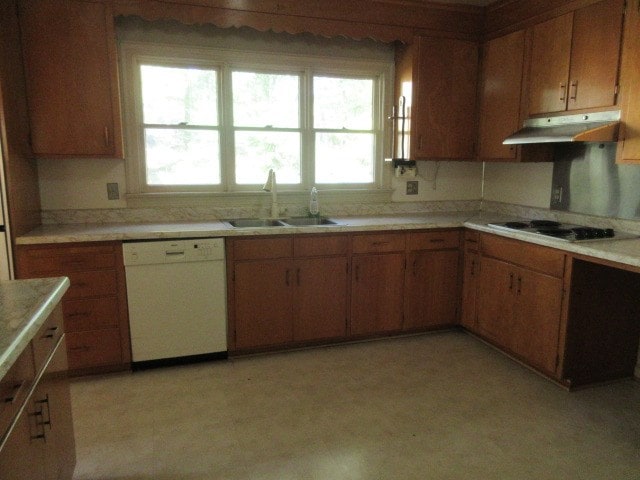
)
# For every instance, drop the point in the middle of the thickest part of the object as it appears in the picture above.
(495, 301)
(549, 72)
(320, 298)
(536, 320)
(629, 141)
(595, 53)
(376, 293)
(502, 61)
(21, 456)
(432, 292)
(469, 290)
(71, 75)
(263, 302)
(443, 110)
(52, 397)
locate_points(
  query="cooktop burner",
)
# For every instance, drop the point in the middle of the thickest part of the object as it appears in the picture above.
(562, 231)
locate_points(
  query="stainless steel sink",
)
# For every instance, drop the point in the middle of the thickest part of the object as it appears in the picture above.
(307, 221)
(254, 222)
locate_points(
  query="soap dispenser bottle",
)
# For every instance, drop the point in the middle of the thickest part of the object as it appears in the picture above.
(314, 208)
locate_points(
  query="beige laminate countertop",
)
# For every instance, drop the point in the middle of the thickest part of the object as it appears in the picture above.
(626, 252)
(24, 307)
(152, 231)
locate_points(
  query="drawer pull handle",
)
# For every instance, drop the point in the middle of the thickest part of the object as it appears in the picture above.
(79, 314)
(80, 348)
(39, 423)
(16, 389)
(511, 281)
(379, 244)
(437, 240)
(81, 284)
(52, 332)
(473, 268)
(563, 92)
(73, 263)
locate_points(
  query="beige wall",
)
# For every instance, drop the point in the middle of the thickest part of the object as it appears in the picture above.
(442, 181)
(73, 184)
(519, 183)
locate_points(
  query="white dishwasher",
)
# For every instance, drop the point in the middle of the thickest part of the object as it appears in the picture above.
(176, 292)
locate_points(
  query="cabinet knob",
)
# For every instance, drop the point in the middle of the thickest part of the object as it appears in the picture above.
(106, 136)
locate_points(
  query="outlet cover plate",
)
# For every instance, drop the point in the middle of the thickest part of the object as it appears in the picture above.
(113, 192)
(412, 187)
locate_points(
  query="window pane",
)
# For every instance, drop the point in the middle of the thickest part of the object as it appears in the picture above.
(344, 158)
(343, 103)
(257, 152)
(175, 95)
(260, 100)
(182, 157)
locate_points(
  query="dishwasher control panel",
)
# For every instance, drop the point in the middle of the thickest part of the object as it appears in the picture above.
(173, 251)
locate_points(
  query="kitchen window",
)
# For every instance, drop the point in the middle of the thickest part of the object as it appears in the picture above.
(211, 120)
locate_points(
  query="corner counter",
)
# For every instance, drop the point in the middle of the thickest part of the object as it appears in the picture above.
(24, 307)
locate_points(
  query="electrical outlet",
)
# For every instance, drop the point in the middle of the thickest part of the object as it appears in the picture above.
(412, 187)
(113, 192)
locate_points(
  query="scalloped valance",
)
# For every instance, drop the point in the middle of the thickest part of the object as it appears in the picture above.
(382, 20)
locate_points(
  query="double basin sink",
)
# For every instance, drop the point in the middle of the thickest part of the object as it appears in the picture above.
(286, 222)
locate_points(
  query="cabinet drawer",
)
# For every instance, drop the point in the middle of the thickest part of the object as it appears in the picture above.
(14, 387)
(58, 261)
(90, 314)
(257, 248)
(92, 284)
(47, 338)
(94, 348)
(433, 240)
(386, 242)
(533, 257)
(315, 245)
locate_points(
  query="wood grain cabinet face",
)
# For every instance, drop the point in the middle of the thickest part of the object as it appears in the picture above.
(286, 290)
(94, 307)
(40, 444)
(443, 112)
(470, 281)
(574, 59)
(500, 95)
(377, 283)
(432, 287)
(519, 304)
(629, 141)
(71, 76)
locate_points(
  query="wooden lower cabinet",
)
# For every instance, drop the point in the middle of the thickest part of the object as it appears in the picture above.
(95, 310)
(40, 443)
(377, 293)
(432, 286)
(263, 303)
(287, 290)
(320, 309)
(519, 308)
(470, 280)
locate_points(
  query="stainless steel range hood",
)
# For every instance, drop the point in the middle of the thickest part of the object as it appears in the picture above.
(585, 127)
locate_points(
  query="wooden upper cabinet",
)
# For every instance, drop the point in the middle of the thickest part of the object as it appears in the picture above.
(629, 140)
(443, 112)
(551, 46)
(500, 94)
(574, 59)
(71, 76)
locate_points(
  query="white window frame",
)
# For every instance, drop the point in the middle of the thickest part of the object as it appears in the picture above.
(133, 54)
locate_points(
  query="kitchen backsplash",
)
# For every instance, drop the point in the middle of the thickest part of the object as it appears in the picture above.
(210, 213)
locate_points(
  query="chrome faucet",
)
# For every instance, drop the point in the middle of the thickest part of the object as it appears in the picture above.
(271, 186)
